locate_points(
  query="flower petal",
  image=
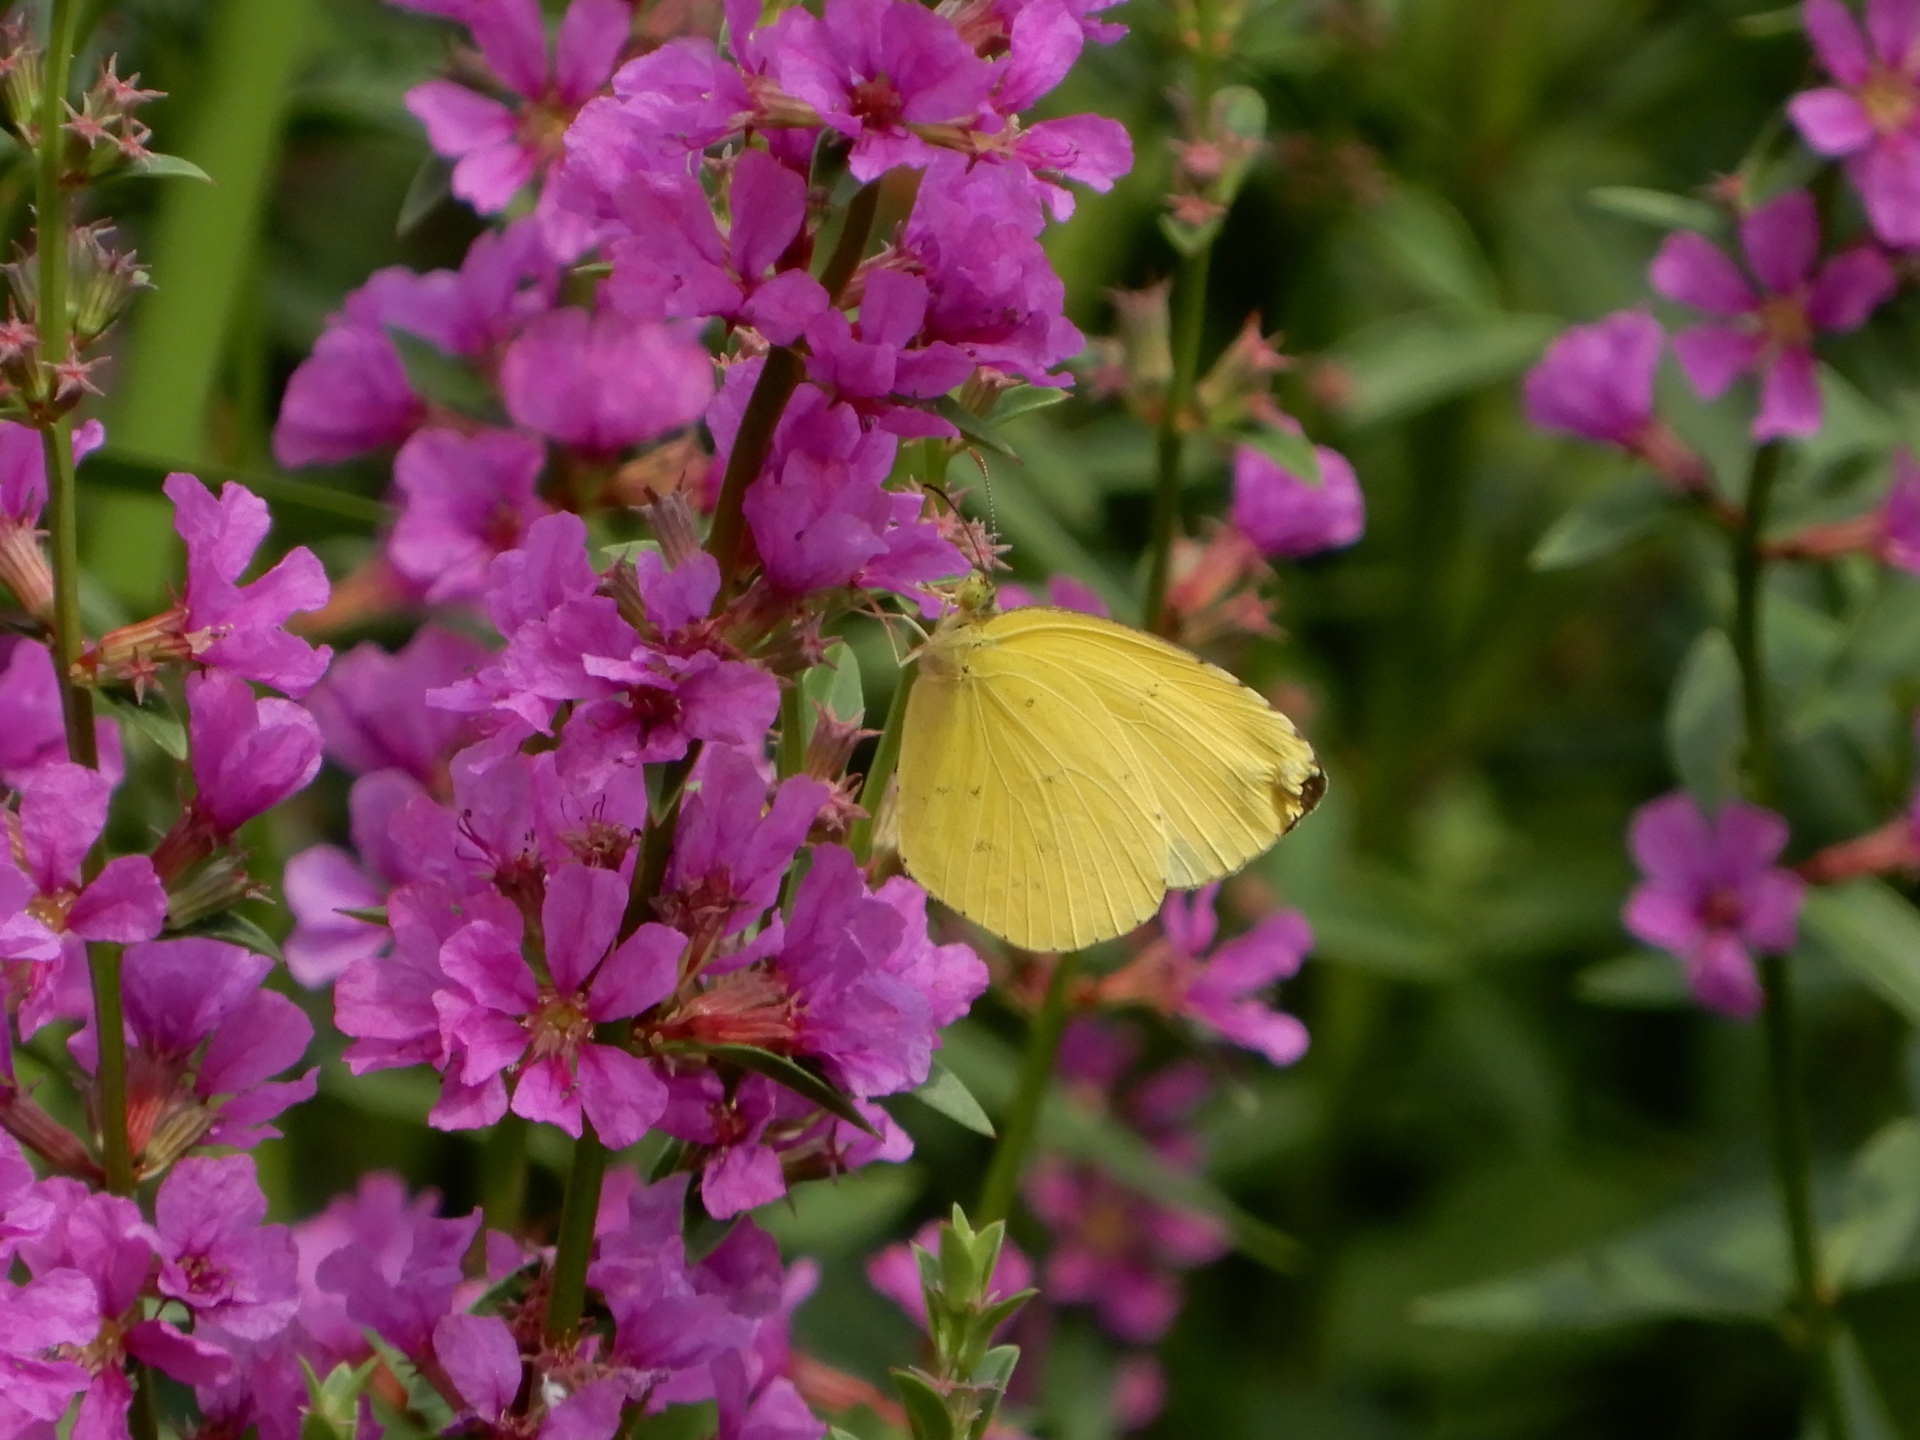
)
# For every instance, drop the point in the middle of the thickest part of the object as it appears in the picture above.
(1789, 397)
(1694, 271)
(1782, 240)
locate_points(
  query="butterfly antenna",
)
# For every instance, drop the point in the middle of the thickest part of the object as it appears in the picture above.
(983, 558)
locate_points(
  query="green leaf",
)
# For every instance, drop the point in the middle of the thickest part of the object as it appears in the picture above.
(1602, 523)
(676, 1422)
(332, 1403)
(371, 914)
(1073, 1129)
(1642, 980)
(1407, 364)
(805, 1083)
(847, 1215)
(1725, 1259)
(945, 1093)
(1878, 1237)
(236, 929)
(1874, 934)
(1704, 720)
(973, 428)
(444, 379)
(430, 188)
(164, 167)
(1866, 1412)
(152, 717)
(1025, 400)
(1293, 453)
(834, 685)
(1659, 208)
(122, 470)
(1424, 240)
(925, 1406)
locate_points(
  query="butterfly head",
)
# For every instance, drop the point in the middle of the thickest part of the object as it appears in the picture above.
(974, 598)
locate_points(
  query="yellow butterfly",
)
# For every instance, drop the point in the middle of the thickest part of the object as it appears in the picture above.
(1059, 773)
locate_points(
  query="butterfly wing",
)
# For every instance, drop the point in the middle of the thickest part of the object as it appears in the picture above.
(1231, 774)
(1021, 803)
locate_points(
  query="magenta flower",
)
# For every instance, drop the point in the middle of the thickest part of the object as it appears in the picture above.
(1063, 593)
(732, 847)
(504, 1016)
(372, 706)
(874, 69)
(218, 1257)
(241, 629)
(464, 500)
(35, 735)
(44, 1323)
(499, 149)
(103, 1238)
(207, 1040)
(249, 754)
(351, 394)
(1872, 117)
(395, 1266)
(771, 1411)
(1596, 381)
(673, 263)
(1712, 895)
(1900, 516)
(23, 468)
(822, 516)
(601, 383)
(1772, 329)
(879, 358)
(1286, 515)
(480, 1356)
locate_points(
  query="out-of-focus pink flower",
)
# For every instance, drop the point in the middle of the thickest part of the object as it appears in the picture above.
(1596, 381)
(1712, 894)
(1769, 332)
(1872, 117)
(1063, 592)
(218, 1257)
(464, 500)
(249, 754)
(1285, 514)
(35, 733)
(600, 383)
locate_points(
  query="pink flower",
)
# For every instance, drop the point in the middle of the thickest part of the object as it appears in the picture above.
(1773, 329)
(1900, 516)
(396, 1267)
(1872, 117)
(217, 1256)
(503, 1016)
(1284, 514)
(498, 148)
(464, 500)
(1596, 381)
(249, 754)
(601, 383)
(1711, 894)
(479, 1354)
(35, 734)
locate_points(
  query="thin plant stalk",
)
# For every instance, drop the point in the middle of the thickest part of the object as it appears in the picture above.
(1812, 1325)
(574, 1248)
(52, 205)
(1022, 1120)
(1189, 325)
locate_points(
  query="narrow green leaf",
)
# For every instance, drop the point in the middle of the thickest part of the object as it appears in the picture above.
(1428, 244)
(164, 167)
(1659, 208)
(805, 1083)
(372, 914)
(1641, 980)
(925, 1406)
(1025, 400)
(1871, 932)
(1725, 1259)
(975, 429)
(1704, 724)
(1878, 1236)
(1867, 1415)
(430, 188)
(153, 718)
(444, 379)
(945, 1093)
(1409, 363)
(1293, 453)
(834, 685)
(116, 469)
(236, 929)
(1602, 523)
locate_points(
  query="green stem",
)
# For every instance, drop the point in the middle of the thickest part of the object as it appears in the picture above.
(791, 756)
(52, 206)
(503, 1174)
(574, 1250)
(1811, 1317)
(886, 755)
(779, 378)
(1022, 1119)
(1190, 313)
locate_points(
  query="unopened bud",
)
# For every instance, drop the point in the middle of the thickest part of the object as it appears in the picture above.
(21, 79)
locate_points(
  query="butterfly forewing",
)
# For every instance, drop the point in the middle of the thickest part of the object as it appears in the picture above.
(1022, 805)
(1230, 773)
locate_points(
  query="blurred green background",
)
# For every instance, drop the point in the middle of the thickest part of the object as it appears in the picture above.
(1479, 1099)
